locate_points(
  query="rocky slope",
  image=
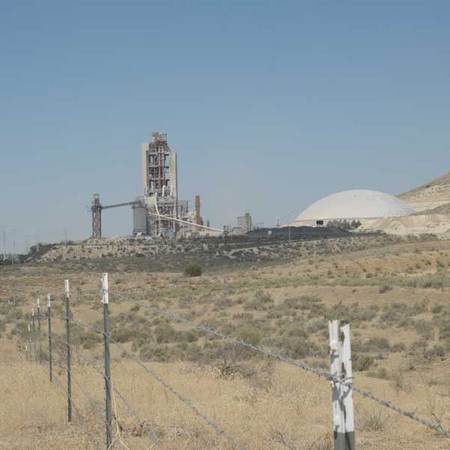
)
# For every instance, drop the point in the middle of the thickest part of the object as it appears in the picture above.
(429, 196)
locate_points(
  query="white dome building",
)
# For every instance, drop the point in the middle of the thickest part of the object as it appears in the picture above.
(353, 205)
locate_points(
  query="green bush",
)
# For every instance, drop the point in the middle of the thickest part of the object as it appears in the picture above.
(193, 270)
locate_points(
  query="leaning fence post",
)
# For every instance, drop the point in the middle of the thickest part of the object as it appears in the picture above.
(49, 322)
(38, 308)
(68, 352)
(106, 336)
(342, 386)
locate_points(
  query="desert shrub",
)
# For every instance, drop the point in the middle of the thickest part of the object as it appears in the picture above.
(424, 329)
(384, 288)
(153, 352)
(362, 362)
(444, 328)
(192, 352)
(249, 334)
(193, 270)
(418, 308)
(375, 421)
(435, 352)
(263, 297)
(297, 347)
(432, 283)
(164, 333)
(222, 303)
(398, 380)
(295, 330)
(188, 336)
(437, 309)
(306, 303)
(86, 338)
(380, 372)
(20, 329)
(325, 442)
(292, 302)
(123, 334)
(244, 316)
(377, 343)
(399, 347)
(260, 302)
(317, 325)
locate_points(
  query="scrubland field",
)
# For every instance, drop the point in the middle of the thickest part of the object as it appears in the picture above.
(395, 297)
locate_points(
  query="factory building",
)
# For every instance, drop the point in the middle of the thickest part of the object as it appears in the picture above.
(158, 212)
(245, 222)
(155, 211)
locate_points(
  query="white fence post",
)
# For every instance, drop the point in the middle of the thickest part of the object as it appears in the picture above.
(342, 386)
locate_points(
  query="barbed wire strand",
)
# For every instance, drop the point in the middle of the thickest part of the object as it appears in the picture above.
(167, 386)
(437, 427)
(118, 436)
(132, 412)
(94, 404)
(183, 399)
(301, 365)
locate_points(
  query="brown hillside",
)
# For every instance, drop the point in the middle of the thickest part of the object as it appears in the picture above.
(430, 195)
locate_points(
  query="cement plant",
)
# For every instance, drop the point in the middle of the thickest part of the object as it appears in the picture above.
(167, 228)
(160, 212)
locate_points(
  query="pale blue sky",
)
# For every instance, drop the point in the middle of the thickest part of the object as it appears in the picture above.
(270, 104)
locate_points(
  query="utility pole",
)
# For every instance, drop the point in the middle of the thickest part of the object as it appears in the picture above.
(106, 335)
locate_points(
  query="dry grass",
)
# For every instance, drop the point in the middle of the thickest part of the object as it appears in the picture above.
(294, 413)
(400, 323)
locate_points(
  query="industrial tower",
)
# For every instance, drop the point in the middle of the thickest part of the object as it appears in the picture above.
(158, 212)
(153, 214)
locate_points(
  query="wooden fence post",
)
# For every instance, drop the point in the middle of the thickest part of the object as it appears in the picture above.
(106, 338)
(342, 386)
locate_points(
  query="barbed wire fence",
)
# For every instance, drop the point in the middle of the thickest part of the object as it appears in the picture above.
(340, 376)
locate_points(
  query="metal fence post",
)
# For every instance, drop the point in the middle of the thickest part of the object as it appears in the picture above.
(342, 386)
(49, 322)
(33, 335)
(29, 355)
(68, 350)
(106, 336)
(38, 308)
